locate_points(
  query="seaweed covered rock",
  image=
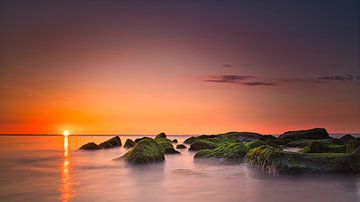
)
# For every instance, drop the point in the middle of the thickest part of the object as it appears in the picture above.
(315, 133)
(139, 139)
(174, 141)
(255, 143)
(160, 135)
(227, 151)
(180, 146)
(202, 144)
(166, 145)
(347, 138)
(112, 142)
(353, 146)
(190, 140)
(129, 143)
(242, 136)
(275, 160)
(321, 147)
(90, 146)
(146, 150)
(305, 142)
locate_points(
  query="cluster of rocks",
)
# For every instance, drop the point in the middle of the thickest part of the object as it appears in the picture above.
(318, 153)
(110, 143)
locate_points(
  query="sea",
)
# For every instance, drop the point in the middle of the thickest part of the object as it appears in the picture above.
(51, 168)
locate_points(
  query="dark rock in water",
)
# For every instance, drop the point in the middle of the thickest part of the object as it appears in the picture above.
(226, 151)
(106, 145)
(146, 150)
(174, 141)
(190, 140)
(353, 146)
(275, 160)
(306, 142)
(267, 138)
(90, 146)
(242, 136)
(139, 139)
(316, 133)
(180, 146)
(346, 138)
(129, 143)
(161, 135)
(321, 147)
(202, 144)
(170, 150)
(112, 142)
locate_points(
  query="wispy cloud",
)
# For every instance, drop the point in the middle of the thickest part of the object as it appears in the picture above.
(337, 78)
(259, 83)
(232, 78)
(227, 65)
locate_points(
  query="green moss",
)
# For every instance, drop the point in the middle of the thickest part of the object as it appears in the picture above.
(255, 143)
(161, 135)
(353, 146)
(146, 150)
(210, 143)
(276, 161)
(322, 147)
(227, 151)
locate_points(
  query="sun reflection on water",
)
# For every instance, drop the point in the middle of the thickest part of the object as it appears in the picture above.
(65, 187)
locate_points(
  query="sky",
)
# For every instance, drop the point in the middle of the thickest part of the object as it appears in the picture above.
(182, 67)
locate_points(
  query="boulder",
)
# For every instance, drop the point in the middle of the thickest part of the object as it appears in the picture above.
(190, 140)
(275, 160)
(242, 136)
(322, 147)
(267, 138)
(180, 146)
(129, 143)
(166, 145)
(161, 135)
(353, 146)
(146, 150)
(227, 151)
(112, 142)
(106, 145)
(139, 139)
(202, 144)
(316, 133)
(346, 138)
(90, 146)
(174, 141)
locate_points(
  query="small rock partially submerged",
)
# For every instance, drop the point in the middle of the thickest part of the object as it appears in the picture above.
(347, 138)
(275, 160)
(146, 150)
(180, 146)
(174, 141)
(129, 143)
(227, 151)
(90, 146)
(161, 135)
(166, 145)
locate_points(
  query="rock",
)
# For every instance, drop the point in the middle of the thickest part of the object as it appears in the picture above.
(242, 136)
(146, 150)
(227, 151)
(180, 146)
(202, 144)
(190, 140)
(267, 138)
(161, 135)
(316, 133)
(174, 141)
(170, 150)
(112, 142)
(255, 143)
(90, 146)
(353, 146)
(321, 147)
(129, 143)
(305, 142)
(346, 138)
(275, 160)
(139, 139)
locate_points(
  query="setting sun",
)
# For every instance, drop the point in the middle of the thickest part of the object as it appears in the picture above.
(66, 133)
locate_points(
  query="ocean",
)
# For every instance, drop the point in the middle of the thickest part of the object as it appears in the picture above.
(51, 168)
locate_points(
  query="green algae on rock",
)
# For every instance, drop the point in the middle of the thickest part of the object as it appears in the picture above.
(322, 147)
(161, 135)
(275, 160)
(129, 143)
(146, 150)
(315, 133)
(227, 151)
(90, 146)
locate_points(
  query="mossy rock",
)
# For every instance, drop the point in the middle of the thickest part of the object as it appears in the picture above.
(255, 143)
(347, 138)
(180, 146)
(241, 136)
(275, 160)
(353, 146)
(315, 133)
(202, 144)
(171, 150)
(267, 137)
(166, 145)
(112, 142)
(129, 143)
(139, 139)
(190, 140)
(90, 146)
(227, 151)
(161, 135)
(106, 145)
(146, 150)
(321, 147)
(174, 141)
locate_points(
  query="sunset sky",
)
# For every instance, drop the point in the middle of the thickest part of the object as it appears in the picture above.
(182, 67)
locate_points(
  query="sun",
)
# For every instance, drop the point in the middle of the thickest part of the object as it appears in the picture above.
(66, 133)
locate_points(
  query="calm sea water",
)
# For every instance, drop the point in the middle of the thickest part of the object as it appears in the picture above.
(52, 169)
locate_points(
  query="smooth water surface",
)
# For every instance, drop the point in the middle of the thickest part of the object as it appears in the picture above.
(52, 169)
